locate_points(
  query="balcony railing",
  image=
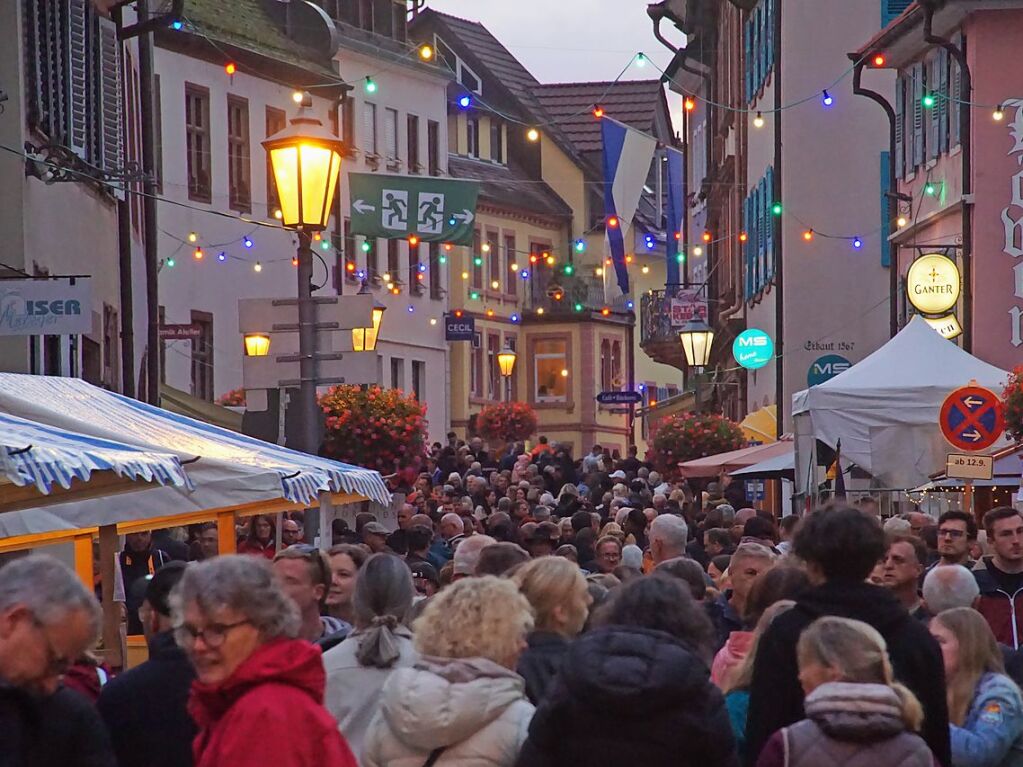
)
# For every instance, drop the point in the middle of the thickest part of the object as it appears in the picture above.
(663, 313)
(575, 294)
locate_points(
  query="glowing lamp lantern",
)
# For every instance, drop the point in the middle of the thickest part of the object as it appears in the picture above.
(365, 339)
(697, 338)
(257, 344)
(506, 361)
(306, 161)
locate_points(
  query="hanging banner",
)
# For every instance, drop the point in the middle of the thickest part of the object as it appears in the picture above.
(676, 210)
(52, 307)
(396, 207)
(687, 305)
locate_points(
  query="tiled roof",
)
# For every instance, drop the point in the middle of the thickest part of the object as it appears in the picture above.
(633, 102)
(249, 26)
(488, 53)
(508, 187)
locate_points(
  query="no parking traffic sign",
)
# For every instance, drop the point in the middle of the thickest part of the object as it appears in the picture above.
(971, 418)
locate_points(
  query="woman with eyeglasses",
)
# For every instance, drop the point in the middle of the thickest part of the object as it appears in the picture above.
(258, 696)
(358, 667)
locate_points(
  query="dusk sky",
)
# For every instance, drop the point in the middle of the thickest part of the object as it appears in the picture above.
(576, 39)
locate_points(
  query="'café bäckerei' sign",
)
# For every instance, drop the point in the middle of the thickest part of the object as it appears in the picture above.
(51, 307)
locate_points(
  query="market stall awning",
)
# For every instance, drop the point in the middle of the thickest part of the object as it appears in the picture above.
(779, 467)
(228, 470)
(33, 454)
(713, 465)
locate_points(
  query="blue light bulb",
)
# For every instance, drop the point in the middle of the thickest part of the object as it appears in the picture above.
(827, 99)
(221, 256)
(176, 25)
(247, 242)
(465, 101)
(857, 243)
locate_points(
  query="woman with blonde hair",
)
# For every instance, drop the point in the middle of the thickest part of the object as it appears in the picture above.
(462, 703)
(985, 710)
(560, 598)
(855, 711)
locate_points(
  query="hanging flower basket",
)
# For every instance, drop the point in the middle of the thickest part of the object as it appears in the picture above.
(233, 398)
(375, 428)
(506, 422)
(687, 436)
(1013, 400)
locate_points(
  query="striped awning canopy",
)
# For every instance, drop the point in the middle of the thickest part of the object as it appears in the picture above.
(225, 467)
(32, 454)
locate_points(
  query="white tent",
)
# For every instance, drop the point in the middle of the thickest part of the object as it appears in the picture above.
(885, 408)
(226, 469)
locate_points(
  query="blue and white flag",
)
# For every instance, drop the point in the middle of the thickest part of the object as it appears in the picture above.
(676, 210)
(627, 156)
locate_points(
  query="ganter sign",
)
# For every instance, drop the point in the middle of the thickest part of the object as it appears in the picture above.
(53, 307)
(933, 284)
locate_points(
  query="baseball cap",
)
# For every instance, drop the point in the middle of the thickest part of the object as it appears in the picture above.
(425, 570)
(160, 583)
(617, 474)
(375, 528)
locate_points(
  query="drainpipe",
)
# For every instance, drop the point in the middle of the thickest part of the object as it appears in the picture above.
(967, 151)
(891, 200)
(779, 240)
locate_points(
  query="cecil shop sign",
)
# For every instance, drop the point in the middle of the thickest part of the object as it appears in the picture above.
(54, 307)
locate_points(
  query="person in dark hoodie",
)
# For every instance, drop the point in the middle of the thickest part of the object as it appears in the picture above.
(644, 670)
(558, 594)
(145, 708)
(840, 546)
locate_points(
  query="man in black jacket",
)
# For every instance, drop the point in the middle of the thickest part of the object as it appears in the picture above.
(145, 708)
(840, 546)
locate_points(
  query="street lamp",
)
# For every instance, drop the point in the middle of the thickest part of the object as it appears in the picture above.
(365, 339)
(257, 344)
(697, 337)
(506, 361)
(306, 161)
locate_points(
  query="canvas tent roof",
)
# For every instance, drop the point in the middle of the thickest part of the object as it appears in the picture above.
(885, 407)
(32, 454)
(780, 466)
(226, 468)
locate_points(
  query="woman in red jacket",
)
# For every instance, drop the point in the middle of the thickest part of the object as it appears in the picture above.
(258, 696)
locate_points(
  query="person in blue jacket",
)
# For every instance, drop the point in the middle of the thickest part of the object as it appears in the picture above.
(984, 705)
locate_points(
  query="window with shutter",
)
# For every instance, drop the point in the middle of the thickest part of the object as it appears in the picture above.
(918, 117)
(239, 172)
(956, 90)
(769, 32)
(369, 128)
(391, 133)
(78, 81)
(197, 142)
(412, 140)
(933, 115)
(747, 40)
(891, 9)
(109, 100)
(276, 121)
(946, 107)
(764, 224)
(900, 126)
(769, 226)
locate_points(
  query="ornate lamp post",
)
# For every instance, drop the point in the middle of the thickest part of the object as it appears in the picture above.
(306, 162)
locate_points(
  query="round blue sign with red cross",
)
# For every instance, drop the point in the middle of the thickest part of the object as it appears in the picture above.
(971, 418)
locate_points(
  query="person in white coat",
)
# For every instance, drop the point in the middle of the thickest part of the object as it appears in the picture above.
(358, 667)
(462, 704)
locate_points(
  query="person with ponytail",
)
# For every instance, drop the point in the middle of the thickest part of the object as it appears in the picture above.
(856, 714)
(358, 667)
(985, 710)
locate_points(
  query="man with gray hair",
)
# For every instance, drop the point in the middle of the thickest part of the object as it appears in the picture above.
(949, 586)
(668, 537)
(749, 562)
(468, 555)
(48, 618)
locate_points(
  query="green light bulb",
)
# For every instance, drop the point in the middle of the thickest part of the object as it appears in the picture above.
(776, 209)
(474, 296)
(680, 258)
(928, 100)
(324, 245)
(170, 262)
(365, 247)
(443, 259)
(569, 268)
(371, 87)
(578, 307)
(478, 261)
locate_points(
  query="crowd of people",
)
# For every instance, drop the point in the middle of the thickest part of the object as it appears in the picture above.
(530, 609)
